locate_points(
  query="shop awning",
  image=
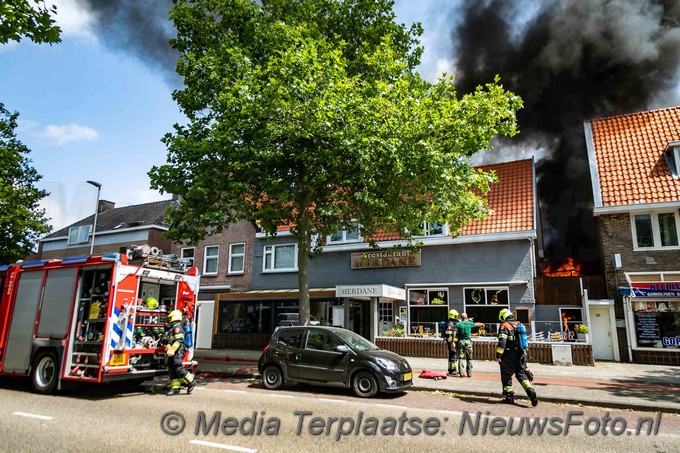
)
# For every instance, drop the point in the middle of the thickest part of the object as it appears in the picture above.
(276, 294)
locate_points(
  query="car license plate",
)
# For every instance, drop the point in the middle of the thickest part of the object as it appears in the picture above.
(407, 377)
(117, 359)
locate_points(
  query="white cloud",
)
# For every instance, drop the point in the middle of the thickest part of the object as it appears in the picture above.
(68, 133)
(140, 196)
(74, 19)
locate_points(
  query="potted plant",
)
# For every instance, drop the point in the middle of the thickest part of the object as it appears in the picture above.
(581, 332)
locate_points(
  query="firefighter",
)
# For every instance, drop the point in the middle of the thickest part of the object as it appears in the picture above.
(450, 337)
(175, 348)
(511, 355)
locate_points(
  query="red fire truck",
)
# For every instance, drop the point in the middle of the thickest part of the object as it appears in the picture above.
(91, 318)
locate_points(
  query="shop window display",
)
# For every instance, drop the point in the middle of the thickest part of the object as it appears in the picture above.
(483, 304)
(427, 308)
(657, 324)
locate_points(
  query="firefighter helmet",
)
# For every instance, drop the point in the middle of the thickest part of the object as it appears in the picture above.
(175, 315)
(151, 303)
(453, 314)
(504, 314)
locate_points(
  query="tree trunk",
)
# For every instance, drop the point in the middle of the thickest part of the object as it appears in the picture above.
(304, 241)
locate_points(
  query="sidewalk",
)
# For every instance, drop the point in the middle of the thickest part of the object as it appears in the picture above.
(606, 384)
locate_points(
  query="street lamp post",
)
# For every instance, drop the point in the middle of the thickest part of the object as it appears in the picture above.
(96, 210)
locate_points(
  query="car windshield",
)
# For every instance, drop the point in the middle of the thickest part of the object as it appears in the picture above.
(356, 341)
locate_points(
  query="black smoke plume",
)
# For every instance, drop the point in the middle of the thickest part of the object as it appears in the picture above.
(570, 61)
(141, 28)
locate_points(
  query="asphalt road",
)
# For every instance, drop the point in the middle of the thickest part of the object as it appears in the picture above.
(241, 415)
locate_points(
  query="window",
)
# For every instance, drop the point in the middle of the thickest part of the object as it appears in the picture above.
(427, 308)
(79, 234)
(345, 235)
(433, 229)
(322, 341)
(672, 156)
(237, 253)
(187, 255)
(280, 257)
(211, 259)
(386, 311)
(484, 303)
(656, 230)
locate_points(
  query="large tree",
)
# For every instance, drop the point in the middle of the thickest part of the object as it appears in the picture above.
(308, 114)
(22, 221)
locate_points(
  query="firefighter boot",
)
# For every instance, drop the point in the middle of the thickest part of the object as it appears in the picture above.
(531, 393)
(190, 381)
(175, 387)
(509, 397)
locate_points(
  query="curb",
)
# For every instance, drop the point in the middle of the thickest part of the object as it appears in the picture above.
(248, 374)
(573, 402)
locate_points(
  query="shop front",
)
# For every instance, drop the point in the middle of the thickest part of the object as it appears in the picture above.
(652, 316)
(248, 319)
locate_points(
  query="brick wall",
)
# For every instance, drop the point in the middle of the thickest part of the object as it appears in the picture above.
(616, 236)
(239, 232)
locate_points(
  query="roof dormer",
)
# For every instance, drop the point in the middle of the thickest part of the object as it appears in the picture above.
(672, 156)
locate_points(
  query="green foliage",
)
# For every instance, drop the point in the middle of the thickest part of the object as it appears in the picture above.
(22, 222)
(396, 331)
(309, 114)
(581, 328)
(19, 18)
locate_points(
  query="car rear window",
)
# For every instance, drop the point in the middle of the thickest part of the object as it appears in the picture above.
(291, 338)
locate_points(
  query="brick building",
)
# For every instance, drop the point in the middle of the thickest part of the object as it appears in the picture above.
(635, 171)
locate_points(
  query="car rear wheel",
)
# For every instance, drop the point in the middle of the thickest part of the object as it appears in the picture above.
(45, 373)
(272, 377)
(365, 385)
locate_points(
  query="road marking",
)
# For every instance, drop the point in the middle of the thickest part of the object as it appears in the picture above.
(451, 412)
(331, 400)
(282, 396)
(222, 446)
(236, 391)
(393, 406)
(38, 416)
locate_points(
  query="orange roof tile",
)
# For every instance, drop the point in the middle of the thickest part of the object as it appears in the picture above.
(511, 200)
(628, 150)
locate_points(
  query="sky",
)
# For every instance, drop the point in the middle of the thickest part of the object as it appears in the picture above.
(91, 113)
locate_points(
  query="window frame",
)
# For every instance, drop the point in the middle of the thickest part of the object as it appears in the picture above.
(343, 232)
(427, 228)
(271, 250)
(656, 230)
(232, 255)
(79, 240)
(207, 257)
(192, 257)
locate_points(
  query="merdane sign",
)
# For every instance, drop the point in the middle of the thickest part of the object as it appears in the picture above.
(385, 258)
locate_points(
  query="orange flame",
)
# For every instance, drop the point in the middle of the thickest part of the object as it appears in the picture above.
(565, 320)
(571, 268)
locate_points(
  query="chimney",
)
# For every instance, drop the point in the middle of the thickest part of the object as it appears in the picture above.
(105, 205)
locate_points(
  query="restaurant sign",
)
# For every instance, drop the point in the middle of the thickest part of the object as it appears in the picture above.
(385, 258)
(655, 289)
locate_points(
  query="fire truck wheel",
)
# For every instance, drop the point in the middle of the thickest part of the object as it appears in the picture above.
(45, 373)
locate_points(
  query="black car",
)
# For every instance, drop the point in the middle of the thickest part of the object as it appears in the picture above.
(332, 356)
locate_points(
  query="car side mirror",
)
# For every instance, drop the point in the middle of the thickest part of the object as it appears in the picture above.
(342, 348)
